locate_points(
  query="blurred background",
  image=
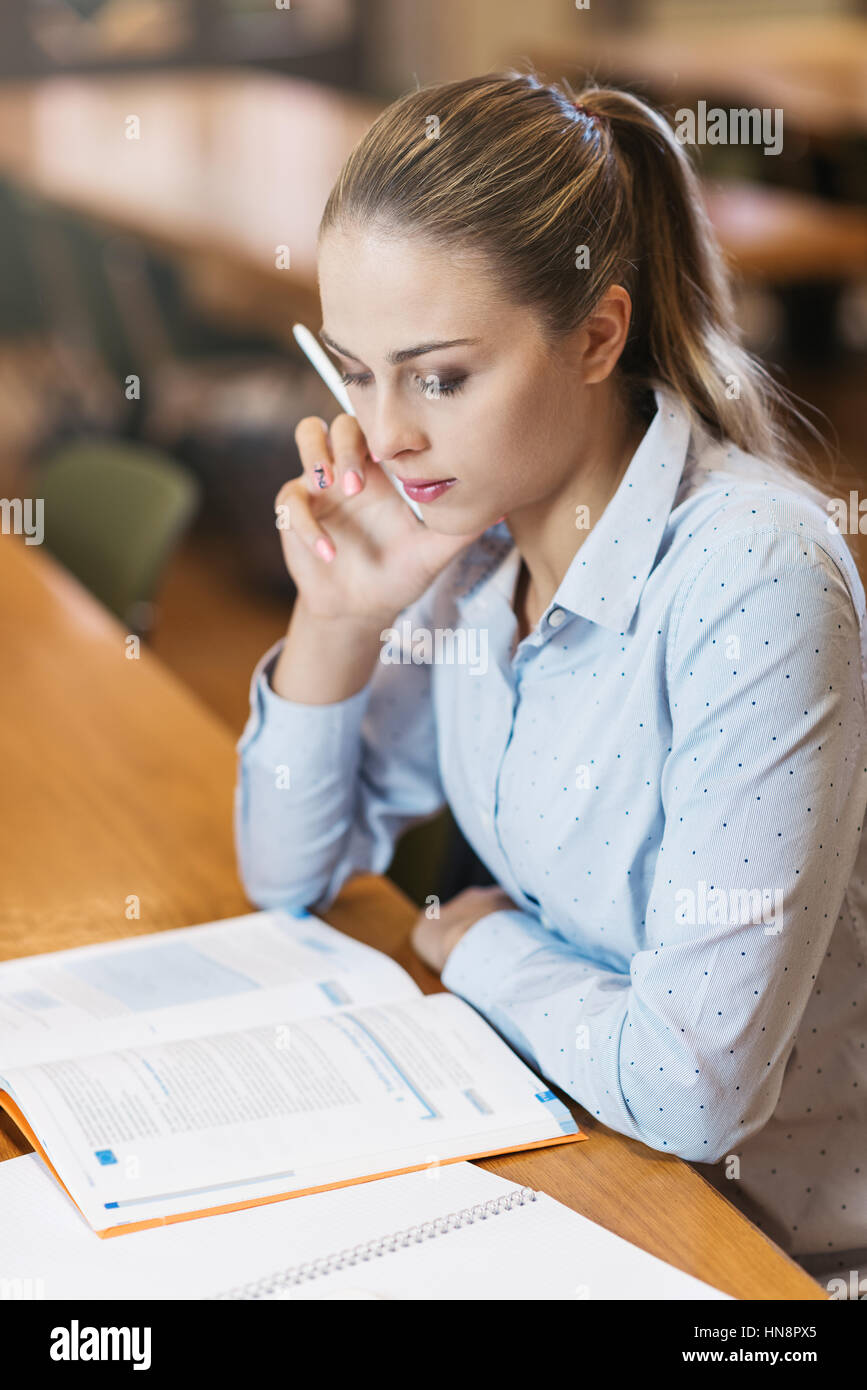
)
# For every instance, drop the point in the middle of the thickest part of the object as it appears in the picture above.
(163, 168)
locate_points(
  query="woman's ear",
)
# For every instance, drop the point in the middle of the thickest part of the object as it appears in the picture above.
(604, 334)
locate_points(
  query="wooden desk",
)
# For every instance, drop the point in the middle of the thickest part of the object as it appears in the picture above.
(116, 780)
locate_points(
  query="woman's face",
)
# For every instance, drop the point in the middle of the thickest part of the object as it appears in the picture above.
(495, 410)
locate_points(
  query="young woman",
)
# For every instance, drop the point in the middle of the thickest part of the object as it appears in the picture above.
(630, 648)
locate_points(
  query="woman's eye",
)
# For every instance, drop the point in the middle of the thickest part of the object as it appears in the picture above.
(432, 385)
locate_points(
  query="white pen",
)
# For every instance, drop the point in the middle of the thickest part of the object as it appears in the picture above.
(330, 375)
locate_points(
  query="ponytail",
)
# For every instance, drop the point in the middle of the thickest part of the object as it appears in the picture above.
(683, 330)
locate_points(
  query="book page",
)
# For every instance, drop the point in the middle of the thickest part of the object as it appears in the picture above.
(186, 981)
(192, 1124)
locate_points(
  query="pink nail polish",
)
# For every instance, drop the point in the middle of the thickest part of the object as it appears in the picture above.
(324, 548)
(351, 483)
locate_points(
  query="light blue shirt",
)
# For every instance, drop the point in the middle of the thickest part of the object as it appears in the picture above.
(668, 778)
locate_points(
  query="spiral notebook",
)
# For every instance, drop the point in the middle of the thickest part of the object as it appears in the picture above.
(316, 1273)
(517, 1244)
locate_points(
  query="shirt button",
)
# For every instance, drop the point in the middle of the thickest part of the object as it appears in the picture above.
(485, 817)
(556, 617)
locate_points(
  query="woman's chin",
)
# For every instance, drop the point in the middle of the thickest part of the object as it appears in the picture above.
(463, 522)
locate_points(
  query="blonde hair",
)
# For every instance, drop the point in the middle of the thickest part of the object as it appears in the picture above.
(518, 171)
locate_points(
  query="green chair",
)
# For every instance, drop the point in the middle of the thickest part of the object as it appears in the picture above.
(113, 512)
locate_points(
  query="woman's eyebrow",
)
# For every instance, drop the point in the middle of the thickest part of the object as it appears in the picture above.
(403, 355)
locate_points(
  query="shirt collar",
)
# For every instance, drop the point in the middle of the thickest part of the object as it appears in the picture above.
(608, 572)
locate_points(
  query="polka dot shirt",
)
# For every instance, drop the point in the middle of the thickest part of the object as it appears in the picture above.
(668, 777)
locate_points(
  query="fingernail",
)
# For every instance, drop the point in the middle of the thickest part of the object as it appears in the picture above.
(351, 483)
(324, 548)
(375, 457)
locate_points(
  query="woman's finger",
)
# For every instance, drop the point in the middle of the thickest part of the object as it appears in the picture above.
(293, 512)
(314, 450)
(349, 451)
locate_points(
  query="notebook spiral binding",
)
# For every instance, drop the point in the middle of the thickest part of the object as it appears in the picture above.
(355, 1254)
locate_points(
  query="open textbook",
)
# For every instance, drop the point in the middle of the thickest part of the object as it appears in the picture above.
(208, 1068)
(453, 1232)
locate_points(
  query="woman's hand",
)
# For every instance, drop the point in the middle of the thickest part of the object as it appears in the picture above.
(435, 938)
(357, 554)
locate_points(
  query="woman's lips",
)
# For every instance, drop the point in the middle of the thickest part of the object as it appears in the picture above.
(426, 491)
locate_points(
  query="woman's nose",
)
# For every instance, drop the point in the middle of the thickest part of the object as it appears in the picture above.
(393, 444)
(392, 431)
